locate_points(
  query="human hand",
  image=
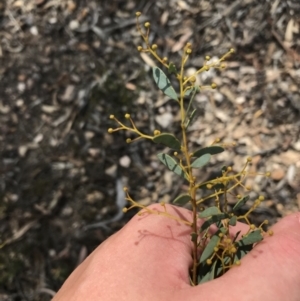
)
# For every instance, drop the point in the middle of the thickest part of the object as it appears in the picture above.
(150, 257)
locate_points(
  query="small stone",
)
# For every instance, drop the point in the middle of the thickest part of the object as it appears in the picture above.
(74, 24)
(277, 174)
(67, 211)
(38, 138)
(111, 171)
(34, 30)
(22, 150)
(94, 196)
(125, 161)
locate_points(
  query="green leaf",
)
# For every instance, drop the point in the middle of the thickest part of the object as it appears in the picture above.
(232, 221)
(251, 238)
(207, 272)
(171, 164)
(182, 200)
(167, 139)
(242, 251)
(172, 68)
(202, 161)
(209, 249)
(191, 118)
(194, 89)
(212, 150)
(241, 203)
(163, 83)
(214, 219)
(209, 212)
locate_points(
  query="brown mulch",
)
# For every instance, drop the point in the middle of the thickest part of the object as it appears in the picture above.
(66, 65)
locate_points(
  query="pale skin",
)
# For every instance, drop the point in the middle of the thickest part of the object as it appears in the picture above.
(149, 259)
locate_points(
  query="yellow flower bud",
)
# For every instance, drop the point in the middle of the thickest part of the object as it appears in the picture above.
(206, 68)
(193, 79)
(127, 116)
(213, 86)
(147, 24)
(231, 50)
(238, 262)
(165, 59)
(139, 48)
(249, 159)
(110, 130)
(207, 57)
(188, 45)
(137, 14)
(154, 47)
(188, 51)
(233, 250)
(209, 261)
(270, 232)
(111, 116)
(128, 140)
(125, 189)
(261, 198)
(124, 209)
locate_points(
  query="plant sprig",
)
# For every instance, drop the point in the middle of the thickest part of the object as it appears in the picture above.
(219, 250)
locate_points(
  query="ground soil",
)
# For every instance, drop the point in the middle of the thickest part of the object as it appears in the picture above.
(66, 65)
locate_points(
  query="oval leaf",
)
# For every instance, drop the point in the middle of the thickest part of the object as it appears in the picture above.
(232, 221)
(251, 238)
(209, 249)
(241, 203)
(171, 164)
(207, 273)
(212, 150)
(182, 200)
(202, 161)
(163, 83)
(214, 219)
(209, 212)
(167, 139)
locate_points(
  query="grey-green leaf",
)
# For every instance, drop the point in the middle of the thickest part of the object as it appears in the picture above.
(251, 238)
(164, 83)
(167, 139)
(232, 221)
(208, 274)
(171, 164)
(191, 118)
(209, 249)
(214, 219)
(209, 212)
(213, 150)
(182, 200)
(202, 161)
(241, 203)
(172, 68)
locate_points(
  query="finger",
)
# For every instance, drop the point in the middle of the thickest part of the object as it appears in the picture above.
(271, 271)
